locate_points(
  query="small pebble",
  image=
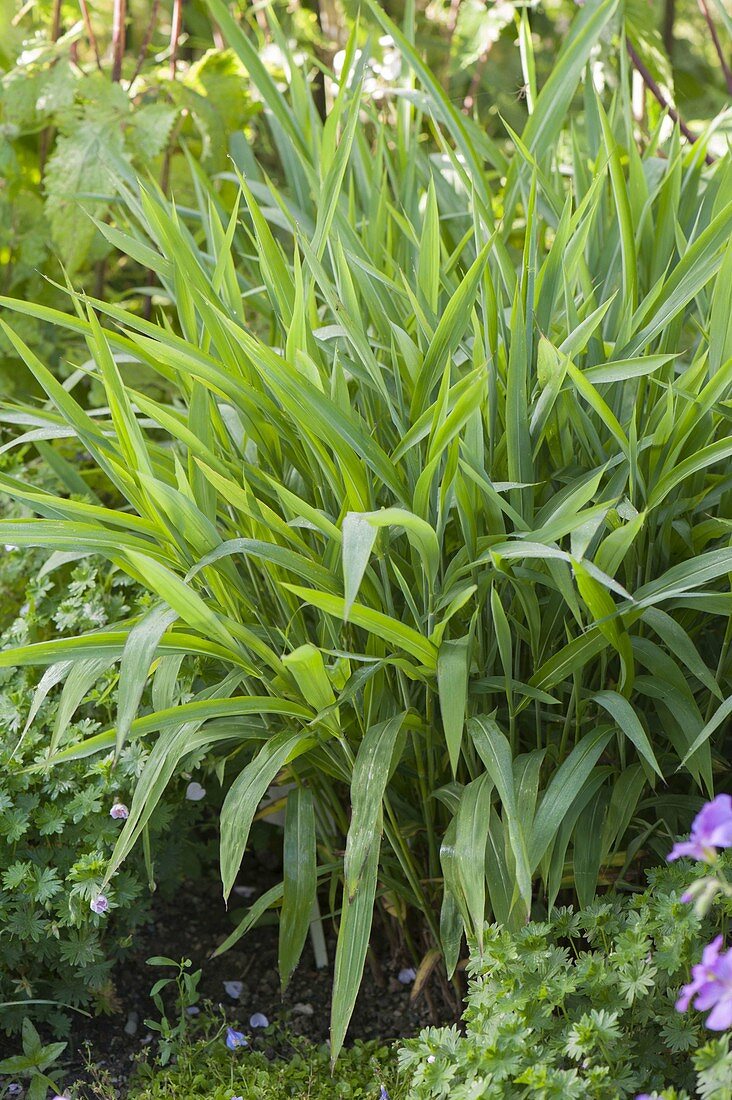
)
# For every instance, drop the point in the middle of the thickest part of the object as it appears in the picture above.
(132, 1021)
(245, 891)
(303, 1009)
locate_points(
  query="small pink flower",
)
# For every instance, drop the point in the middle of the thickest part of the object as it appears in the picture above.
(119, 811)
(99, 904)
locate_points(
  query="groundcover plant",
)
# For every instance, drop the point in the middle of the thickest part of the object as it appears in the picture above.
(58, 826)
(451, 543)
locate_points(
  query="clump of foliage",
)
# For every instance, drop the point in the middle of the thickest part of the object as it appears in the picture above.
(56, 832)
(580, 1005)
(451, 544)
(71, 125)
(34, 1063)
(207, 1070)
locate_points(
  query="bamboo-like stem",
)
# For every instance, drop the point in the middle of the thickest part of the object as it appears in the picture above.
(717, 44)
(654, 89)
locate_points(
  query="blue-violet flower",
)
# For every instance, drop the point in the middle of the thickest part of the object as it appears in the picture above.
(711, 829)
(711, 987)
(235, 1039)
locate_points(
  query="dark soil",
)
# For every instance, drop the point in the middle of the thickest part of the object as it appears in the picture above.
(193, 927)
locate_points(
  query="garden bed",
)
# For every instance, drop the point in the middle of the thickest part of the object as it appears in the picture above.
(193, 925)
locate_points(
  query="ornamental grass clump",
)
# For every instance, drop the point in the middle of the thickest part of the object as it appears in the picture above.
(439, 501)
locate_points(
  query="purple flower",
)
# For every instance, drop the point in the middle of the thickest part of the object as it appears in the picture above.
(99, 904)
(235, 1039)
(258, 1020)
(119, 812)
(711, 829)
(711, 987)
(195, 792)
(234, 989)
(407, 975)
(384, 1093)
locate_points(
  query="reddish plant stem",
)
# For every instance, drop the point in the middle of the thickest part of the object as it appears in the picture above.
(45, 138)
(452, 17)
(654, 89)
(669, 17)
(56, 21)
(145, 45)
(476, 80)
(717, 44)
(175, 29)
(119, 16)
(90, 32)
